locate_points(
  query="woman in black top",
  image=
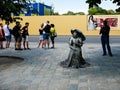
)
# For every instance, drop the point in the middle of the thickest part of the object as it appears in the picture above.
(41, 36)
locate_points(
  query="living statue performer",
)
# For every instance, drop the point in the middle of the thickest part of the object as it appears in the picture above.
(75, 58)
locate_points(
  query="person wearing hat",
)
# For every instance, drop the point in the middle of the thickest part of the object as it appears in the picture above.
(75, 58)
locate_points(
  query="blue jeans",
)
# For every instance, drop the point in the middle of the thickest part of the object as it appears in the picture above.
(105, 42)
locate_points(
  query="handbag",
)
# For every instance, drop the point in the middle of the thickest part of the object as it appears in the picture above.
(55, 34)
(2, 36)
(2, 39)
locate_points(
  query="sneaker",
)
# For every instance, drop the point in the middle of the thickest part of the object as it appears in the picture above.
(104, 54)
(16, 49)
(52, 47)
(28, 48)
(24, 48)
(110, 55)
(20, 49)
(2, 48)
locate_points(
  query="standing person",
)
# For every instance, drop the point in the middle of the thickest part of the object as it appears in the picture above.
(7, 31)
(46, 33)
(2, 36)
(104, 31)
(17, 35)
(52, 34)
(25, 36)
(41, 35)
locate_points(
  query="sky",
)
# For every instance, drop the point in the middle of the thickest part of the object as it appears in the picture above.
(63, 6)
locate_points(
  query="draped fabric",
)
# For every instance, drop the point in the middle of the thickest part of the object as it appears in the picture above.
(75, 58)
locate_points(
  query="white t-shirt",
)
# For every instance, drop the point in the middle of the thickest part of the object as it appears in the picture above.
(6, 30)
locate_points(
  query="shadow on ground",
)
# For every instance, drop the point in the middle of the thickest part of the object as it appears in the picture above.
(7, 61)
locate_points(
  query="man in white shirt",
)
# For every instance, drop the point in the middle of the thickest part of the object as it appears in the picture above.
(7, 34)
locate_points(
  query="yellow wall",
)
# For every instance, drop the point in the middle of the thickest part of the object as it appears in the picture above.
(63, 24)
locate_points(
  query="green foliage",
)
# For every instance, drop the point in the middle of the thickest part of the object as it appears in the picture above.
(101, 11)
(7, 7)
(111, 12)
(55, 13)
(80, 13)
(95, 3)
(69, 13)
(46, 11)
(116, 1)
(118, 10)
(92, 11)
(72, 13)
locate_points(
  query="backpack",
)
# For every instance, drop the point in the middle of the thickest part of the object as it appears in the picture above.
(55, 34)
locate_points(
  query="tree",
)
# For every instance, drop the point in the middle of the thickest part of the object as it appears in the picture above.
(95, 3)
(100, 11)
(97, 11)
(111, 12)
(80, 13)
(72, 13)
(69, 13)
(56, 13)
(7, 7)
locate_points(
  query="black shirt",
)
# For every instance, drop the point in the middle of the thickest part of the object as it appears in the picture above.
(25, 31)
(47, 28)
(105, 30)
(40, 31)
(16, 31)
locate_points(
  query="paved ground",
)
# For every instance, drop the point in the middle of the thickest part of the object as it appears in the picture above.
(40, 70)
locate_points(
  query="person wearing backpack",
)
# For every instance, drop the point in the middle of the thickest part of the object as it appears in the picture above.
(52, 34)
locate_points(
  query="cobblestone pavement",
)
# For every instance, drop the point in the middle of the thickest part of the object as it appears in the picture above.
(40, 69)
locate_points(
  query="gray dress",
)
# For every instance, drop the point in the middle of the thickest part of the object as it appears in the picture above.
(75, 58)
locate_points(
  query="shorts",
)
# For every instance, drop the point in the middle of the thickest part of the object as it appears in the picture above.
(41, 37)
(25, 38)
(8, 38)
(18, 39)
(46, 36)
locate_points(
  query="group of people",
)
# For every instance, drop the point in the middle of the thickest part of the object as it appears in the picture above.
(47, 31)
(18, 32)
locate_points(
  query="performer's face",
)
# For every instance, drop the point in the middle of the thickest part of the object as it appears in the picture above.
(74, 34)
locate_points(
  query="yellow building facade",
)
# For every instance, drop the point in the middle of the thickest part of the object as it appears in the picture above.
(63, 24)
